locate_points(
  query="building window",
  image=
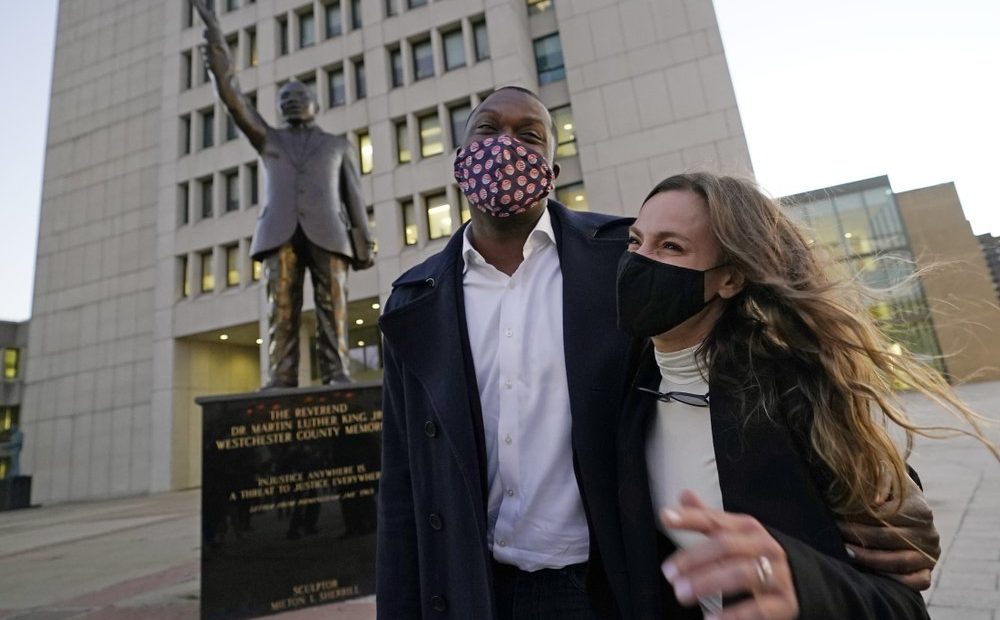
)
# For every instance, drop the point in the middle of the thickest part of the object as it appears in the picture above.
(459, 116)
(232, 5)
(188, 15)
(207, 275)
(402, 143)
(233, 44)
(207, 128)
(185, 134)
(11, 363)
(183, 204)
(204, 79)
(231, 131)
(539, 6)
(334, 20)
(253, 57)
(409, 223)
(10, 415)
(186, 70)
(438, 213)
(423, 60)
(282, 28)
(391, 8)
(232, 265)
(396, 67)
(183, 282)
(360, 80)
(356, 21)
(207, 210)
(256, 267)
(463, 206)
(549, 59)
(307, 29)
(430, 135)
(232, 191)
(370, 212)
(338, 87)
(565, 131)
(412, 4)
(454, 49)
(482, 40)
(365, 152)
(573, 196)
(253, 184)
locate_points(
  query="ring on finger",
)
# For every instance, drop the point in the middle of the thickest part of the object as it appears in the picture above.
(765, 572)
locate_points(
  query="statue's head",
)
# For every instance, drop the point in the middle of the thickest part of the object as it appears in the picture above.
(296, 103)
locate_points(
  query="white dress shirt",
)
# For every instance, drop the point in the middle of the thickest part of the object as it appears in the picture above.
(535, 512)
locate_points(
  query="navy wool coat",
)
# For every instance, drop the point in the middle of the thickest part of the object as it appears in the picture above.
(432, 559)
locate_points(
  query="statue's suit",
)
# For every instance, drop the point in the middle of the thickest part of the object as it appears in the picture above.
(312, 181)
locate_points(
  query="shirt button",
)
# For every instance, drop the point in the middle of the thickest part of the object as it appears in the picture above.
(509, 333)
(507, 440)
(503, 543)
(507, 384)
(510, 284)
(510, 492)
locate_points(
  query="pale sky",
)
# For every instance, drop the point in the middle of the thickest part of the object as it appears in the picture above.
(829, 92)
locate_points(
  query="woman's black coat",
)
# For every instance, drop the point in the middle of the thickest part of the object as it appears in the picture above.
(764, 471)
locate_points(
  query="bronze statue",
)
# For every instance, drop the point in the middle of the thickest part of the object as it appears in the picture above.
(313, 216)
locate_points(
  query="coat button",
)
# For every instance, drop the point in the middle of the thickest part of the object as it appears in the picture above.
(430, 429)
(439, 603)
(435, 520)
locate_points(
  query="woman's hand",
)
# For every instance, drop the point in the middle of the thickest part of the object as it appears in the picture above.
(739, 557)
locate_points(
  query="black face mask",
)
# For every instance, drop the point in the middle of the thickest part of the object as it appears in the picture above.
(655, 297)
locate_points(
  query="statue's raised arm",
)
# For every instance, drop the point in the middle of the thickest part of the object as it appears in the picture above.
(215, 52)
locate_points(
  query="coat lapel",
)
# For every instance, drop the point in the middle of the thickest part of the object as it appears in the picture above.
(594, 349)
(427, 331)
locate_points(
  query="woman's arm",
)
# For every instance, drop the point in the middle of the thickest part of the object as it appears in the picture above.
(779, 577)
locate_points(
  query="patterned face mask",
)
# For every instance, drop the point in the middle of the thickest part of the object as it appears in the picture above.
(501, 176)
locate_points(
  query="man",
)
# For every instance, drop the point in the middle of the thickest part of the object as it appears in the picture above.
(504, 371)
(313, 217)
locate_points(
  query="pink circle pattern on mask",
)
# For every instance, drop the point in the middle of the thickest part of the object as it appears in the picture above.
(501, 176)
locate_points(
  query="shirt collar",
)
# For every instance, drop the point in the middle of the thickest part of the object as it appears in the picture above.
(539, 236)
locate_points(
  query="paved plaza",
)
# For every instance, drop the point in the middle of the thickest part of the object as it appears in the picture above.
(137, 557)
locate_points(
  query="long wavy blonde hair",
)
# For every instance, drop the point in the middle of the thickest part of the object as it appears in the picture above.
(798, 341)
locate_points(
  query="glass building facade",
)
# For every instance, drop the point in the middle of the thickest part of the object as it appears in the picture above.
(860, 226)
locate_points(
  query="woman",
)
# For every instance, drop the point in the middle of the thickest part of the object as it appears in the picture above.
(760, 405)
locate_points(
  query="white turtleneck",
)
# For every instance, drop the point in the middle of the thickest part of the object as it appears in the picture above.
(679, 450)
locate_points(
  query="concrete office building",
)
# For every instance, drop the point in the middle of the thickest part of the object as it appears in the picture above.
(957, 279)
(948, 312)
(145, 296)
